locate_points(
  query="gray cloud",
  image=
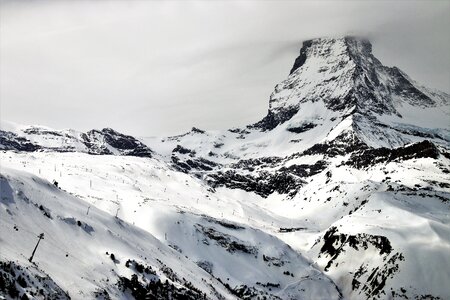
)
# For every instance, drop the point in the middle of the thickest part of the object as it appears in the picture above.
(156, 68)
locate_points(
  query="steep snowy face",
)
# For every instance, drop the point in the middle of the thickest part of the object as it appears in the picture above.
(344, 74)
(324, 70)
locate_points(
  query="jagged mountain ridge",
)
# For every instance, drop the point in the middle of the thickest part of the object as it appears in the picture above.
(348, 148)
(105, 141)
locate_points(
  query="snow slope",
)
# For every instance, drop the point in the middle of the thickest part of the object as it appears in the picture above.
(77, 247)
(187, 215)
(246, 259)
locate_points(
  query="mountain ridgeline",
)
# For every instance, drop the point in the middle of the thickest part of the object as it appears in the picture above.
(340, 192)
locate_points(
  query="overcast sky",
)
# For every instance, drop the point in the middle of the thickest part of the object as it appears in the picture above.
(158, 68)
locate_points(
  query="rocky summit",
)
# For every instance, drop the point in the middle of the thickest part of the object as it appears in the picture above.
(342, 191)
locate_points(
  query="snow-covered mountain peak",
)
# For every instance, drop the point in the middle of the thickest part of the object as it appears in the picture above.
(323, 71)
(343, 73)
(335, 78)
(326, 47)
(340, 192)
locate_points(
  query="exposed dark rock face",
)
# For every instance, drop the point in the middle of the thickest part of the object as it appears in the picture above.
(145, 283)
(228, 242)
(239, 130)
(192, 164)
(118, 140)
(300, 60)
(41, 131)
(368, 157)
(96, 141)
(292, 229)
(272, 120)
(251, 164)
(262, 184)
(10, 141)
(223, 223)
(345, 143)
(304, 170)
(304, 127)
(366, 280)
(185, 160)
(371, 282)
(249, 292)
(158, 290)
(182, 150)
(334, 243)
(196, 130)
(15, 278)
(285, 180)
